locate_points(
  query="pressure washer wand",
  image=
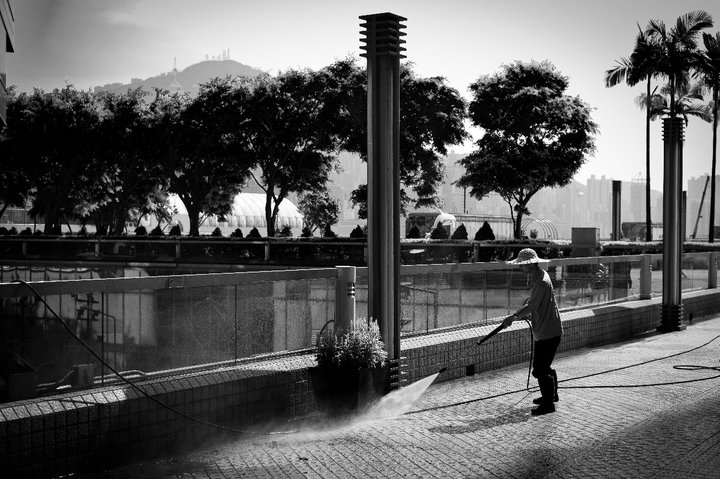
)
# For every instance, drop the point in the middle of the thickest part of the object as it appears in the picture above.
(492, 333)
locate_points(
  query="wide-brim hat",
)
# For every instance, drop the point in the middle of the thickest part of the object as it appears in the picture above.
(527, 256)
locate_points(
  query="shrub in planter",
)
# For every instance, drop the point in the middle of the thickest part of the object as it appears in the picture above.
(328, 232)
(175, 231)
(414, 233)
(352, 368)
(216, 232)
(140, 231)
(357, 232)
(26, 232)
(284, 232)
(306, 232)
(439, 232)
(237, 233)
(485, 233)
(254, 233)
(157, 231)
(460, 233)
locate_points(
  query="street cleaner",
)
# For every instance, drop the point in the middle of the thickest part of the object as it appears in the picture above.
(546, 327)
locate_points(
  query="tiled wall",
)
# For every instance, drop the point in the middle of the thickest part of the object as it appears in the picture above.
(108, 426)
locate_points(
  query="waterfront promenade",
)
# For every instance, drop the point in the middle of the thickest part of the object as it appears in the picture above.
(479, 426)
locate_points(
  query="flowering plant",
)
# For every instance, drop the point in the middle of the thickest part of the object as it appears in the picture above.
(361, 347)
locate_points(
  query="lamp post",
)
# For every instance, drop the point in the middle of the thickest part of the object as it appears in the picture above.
(383, 51)
(672, 308)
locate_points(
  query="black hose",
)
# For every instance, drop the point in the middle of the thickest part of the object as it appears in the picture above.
(684, 367)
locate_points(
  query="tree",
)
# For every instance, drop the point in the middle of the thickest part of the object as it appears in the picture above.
(689, 102)
(319, 209)
(14, 180)
(431, 119)
(640, 66)
(293, 140)
(676, 49)
(51, 141)
(206, 150)
(535, 137)
(130, 179)
(708, 69)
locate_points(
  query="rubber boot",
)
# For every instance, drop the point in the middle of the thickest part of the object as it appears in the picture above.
(556, 398)
(547, 389)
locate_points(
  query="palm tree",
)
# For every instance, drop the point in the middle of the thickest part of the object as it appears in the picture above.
(708, 69)
(676, 49)
(688, 102)
(640, 66)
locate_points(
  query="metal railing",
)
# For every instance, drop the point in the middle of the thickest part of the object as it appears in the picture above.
(153, 324)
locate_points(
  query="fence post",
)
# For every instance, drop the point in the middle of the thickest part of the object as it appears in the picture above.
(646, 277)
(345, 297)
(476, 252)
(712, 271)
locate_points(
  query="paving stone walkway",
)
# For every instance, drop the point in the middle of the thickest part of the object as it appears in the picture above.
(614, 424)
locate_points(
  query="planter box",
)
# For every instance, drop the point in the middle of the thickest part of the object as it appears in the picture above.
(344, 391)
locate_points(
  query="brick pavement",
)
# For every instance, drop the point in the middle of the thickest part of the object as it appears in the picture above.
(663, 431)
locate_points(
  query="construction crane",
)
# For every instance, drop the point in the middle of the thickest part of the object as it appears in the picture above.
(699, 215)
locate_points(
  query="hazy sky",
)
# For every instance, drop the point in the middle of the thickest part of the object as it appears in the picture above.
(94, 42)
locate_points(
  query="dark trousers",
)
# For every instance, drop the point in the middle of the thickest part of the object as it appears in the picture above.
(543, 356)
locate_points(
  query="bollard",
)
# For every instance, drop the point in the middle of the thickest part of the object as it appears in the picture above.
(646, 277)
(345, 297)
(712, 271)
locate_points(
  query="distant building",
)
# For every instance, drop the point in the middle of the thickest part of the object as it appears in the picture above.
(7, 22)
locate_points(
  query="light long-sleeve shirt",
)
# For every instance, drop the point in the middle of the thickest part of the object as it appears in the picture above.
(545, 316)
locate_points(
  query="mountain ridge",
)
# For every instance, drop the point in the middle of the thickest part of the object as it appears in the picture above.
(189, 78)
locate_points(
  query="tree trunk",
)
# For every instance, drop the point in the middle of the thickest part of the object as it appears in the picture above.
(648, 219)
(193, 217)
(269, 219)
(711, 236)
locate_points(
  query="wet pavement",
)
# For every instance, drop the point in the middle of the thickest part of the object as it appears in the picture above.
(639, 409)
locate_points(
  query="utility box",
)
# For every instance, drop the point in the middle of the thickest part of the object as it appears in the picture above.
(585, 242)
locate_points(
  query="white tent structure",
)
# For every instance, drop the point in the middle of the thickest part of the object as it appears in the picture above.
(248, 211)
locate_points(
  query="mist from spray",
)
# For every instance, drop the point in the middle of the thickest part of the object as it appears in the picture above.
(400, 401)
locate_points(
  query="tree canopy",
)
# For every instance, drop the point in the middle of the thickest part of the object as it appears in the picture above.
(318, 209)
(535, 136)
(51, 144)
(207, 156)
(292, 139)
(431, 119)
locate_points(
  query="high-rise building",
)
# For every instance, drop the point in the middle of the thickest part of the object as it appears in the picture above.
(7, 22)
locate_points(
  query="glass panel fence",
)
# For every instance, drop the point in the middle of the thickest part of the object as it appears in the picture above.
(148, 330)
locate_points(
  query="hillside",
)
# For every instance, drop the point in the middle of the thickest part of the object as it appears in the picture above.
(188, 78)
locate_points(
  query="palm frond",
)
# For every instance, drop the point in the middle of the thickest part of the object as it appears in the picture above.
(618, 73)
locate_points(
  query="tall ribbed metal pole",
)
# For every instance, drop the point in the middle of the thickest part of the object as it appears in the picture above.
(616, 222)
(383, 51)
(672, 308)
